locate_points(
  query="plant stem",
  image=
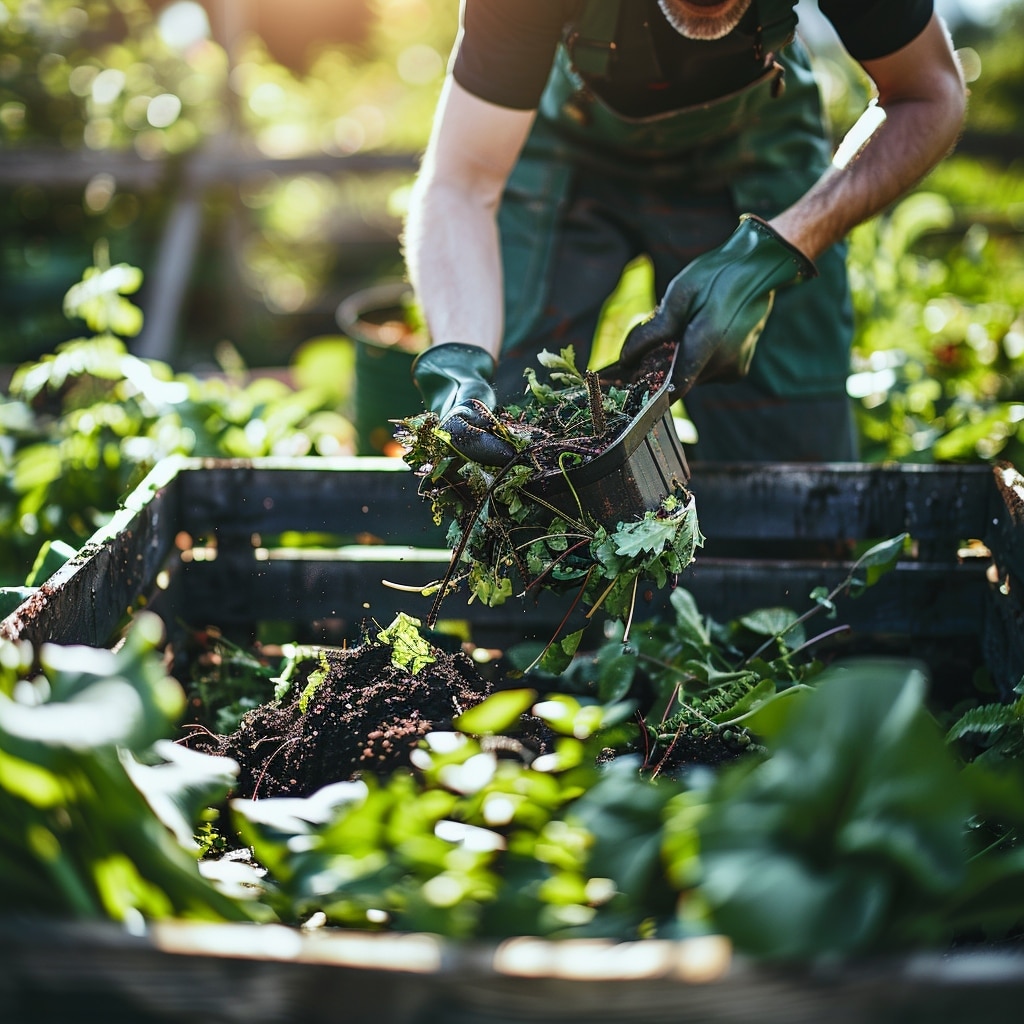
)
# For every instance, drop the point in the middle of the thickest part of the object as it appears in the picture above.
(821, 636)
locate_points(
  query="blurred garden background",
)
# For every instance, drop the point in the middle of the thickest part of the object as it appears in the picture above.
(190, 190)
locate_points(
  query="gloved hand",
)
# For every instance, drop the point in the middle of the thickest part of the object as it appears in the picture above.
(717, 305)
(454, 382)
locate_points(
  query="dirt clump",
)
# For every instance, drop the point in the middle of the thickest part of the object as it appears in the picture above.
(364, 716)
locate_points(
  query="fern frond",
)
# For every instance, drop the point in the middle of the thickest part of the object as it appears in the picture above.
(988, 720)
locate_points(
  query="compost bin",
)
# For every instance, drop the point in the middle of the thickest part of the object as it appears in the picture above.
(313, 544)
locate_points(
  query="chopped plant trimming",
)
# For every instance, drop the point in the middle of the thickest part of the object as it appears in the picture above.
(507, 539)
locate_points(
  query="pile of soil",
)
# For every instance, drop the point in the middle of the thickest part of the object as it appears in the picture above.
(366, 716)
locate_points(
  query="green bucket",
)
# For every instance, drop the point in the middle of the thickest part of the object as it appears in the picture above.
(376, 321)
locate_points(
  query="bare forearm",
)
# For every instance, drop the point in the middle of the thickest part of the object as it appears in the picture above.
(452, 255)
(452, 250)
(902, 150)
(923, 117)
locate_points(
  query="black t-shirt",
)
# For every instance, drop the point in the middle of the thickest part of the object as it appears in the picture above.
(506, 49)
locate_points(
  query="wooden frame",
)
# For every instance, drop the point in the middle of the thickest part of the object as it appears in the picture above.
(312, 541)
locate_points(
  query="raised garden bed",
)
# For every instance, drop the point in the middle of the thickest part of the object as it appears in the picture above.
(301, 544)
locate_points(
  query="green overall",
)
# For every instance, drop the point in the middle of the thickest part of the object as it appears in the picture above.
(692, 172)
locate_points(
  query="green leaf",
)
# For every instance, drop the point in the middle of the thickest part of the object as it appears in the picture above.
(615, 677)
(409, 650)
(774, 622)
(624, 813)
(769, 717)
(97, 299)
(571, 717)
(875, 563)
(563, 365)
(491, 589)
(39, 465)
(860, 798)
(755, 698)
(52, 555)
(987, 720)
(780, 907)
(650, 534)
(689, 623)
(821, 596)
(102, 357)
(273, 821)
(558, 655)
(497, 713)
(964, 441)
(97, 698)
(182, 786)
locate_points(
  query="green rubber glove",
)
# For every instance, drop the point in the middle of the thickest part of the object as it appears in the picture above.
(716, 306)
(454, 380)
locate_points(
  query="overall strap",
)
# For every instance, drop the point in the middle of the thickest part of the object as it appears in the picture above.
(591, 40)
(776, 26)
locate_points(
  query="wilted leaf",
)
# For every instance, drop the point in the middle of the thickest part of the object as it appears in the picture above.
(409, 650)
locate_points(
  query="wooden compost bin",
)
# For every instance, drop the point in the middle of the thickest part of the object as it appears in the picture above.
(308, 543)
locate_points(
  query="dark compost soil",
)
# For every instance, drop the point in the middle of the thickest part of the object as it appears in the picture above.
(366, 716)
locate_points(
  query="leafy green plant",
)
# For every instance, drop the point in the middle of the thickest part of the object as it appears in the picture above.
(88, 75)
(97, 809)
(850, 827)
(508, 539)
(226, 680)
(848, 833)
(993, 733)
(704, 683)
(473, 843)
(939, 298)
(82, 426)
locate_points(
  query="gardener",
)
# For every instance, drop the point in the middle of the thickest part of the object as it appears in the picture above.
(574, 135)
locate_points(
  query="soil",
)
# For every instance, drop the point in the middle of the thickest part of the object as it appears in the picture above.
(366, 716)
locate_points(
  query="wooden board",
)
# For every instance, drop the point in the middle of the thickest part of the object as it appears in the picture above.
(221, 542)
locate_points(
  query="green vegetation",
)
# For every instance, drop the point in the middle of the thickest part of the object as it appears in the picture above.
(84, 424)
(896, 840)
(98, 808)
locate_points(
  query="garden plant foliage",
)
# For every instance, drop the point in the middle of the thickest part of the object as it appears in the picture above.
(897, 839)
(80, 427)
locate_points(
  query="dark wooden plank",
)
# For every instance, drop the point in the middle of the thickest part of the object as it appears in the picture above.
(88, 597)
(1006, 537)
(350, 498)
(797, 502)
(923, 600)
(937, 505)
(1004, 633)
